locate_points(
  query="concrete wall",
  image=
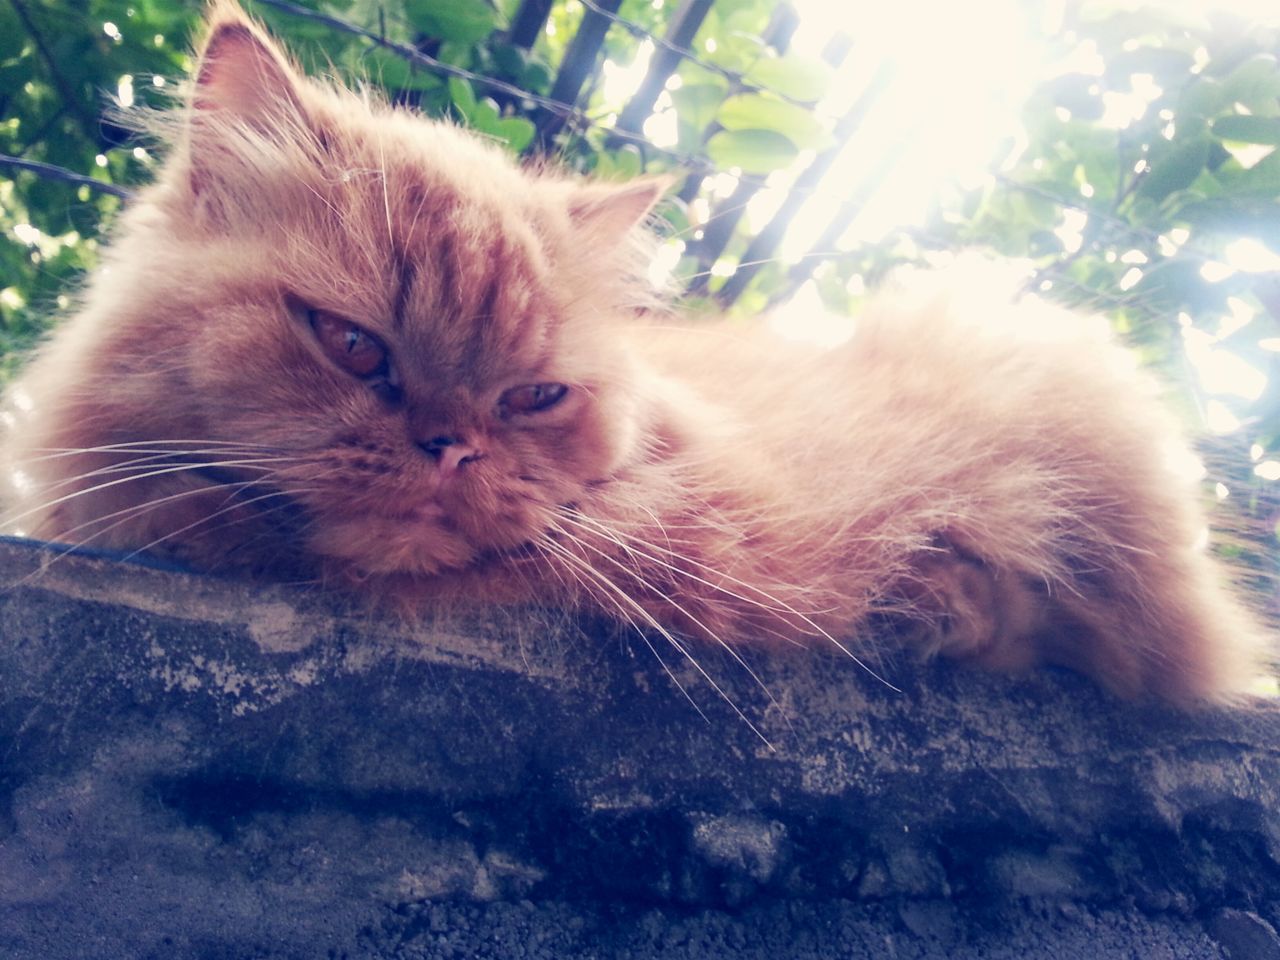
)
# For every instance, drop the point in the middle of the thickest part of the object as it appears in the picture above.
(195, 768)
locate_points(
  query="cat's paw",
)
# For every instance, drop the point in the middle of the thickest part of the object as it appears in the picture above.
(960, 607)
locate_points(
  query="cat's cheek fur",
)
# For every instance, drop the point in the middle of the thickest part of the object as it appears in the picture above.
(603, 438)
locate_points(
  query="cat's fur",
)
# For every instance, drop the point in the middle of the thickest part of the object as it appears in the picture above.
(1005, 497)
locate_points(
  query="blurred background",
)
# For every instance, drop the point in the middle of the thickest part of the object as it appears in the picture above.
(1119, 158)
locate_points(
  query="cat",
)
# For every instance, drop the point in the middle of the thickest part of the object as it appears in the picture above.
(335, 340)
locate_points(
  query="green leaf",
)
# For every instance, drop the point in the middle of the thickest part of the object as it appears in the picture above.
(537, 77)
(394, 72)
(12, 36)
(461, 21)
(1248, 129)
(510, 60)
(1175, 170)
(1203, 98)
(696, 103)
(754, 151)
(463, 97)
(1255, 83)
(516, 131)
(484, 116)
(627, 162)
(791, 76)
(755, 111)
(1261, 181)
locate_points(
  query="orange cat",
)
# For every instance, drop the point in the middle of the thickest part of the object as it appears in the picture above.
(341, 341)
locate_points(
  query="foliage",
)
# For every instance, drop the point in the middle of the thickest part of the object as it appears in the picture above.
(1135, 215)
(55, 61)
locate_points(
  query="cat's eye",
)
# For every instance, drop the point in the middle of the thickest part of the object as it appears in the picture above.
(348, 345)
(532, 398)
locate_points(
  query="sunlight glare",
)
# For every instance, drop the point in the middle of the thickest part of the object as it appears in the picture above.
(763, 206)
(1241, 315)
(1219, 419)
(1221, 372)
(1070, 232)
(20, 480)
(944, 130)
(622, 81)
(662, 266)
(806, 318)
(662, 129)
(1215, 271)
(1251, 256)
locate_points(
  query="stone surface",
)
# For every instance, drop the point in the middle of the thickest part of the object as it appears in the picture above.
(196, 768)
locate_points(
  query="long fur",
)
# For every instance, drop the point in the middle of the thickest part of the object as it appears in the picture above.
(995, 491)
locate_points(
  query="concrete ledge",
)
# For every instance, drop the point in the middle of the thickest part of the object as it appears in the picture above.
(196, 768)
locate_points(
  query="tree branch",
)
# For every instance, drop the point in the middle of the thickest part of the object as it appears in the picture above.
(51, 172)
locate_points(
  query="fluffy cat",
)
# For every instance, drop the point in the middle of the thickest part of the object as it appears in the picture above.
(340, 341)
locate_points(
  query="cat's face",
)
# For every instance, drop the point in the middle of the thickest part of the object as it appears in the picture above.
(420, 328)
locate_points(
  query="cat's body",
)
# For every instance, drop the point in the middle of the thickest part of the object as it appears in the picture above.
(345, 342)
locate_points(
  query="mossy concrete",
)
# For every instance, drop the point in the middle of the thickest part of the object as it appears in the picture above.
(201, 768)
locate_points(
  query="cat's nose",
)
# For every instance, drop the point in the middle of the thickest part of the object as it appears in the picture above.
(450, 452)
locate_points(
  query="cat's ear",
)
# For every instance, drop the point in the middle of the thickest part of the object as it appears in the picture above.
(247, 111)
(241, 71)
(607, 212)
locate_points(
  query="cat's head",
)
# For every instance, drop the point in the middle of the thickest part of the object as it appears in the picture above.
(427, 330)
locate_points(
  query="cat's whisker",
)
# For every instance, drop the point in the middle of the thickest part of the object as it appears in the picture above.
(667, 635)
(324, 200)
(662, 528)
(64, 545)
(693, 228)
(542, 562)
(129, 513)
(782, 606)
(150, 449)
(139, 458)
(159, 442)
(765, 261)
(610, 536)
(615, 597)
(386, 198)
(178, 468)
(528, 554)
(684, 611)
(213, 516)
(134, 465)
(617, 537)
